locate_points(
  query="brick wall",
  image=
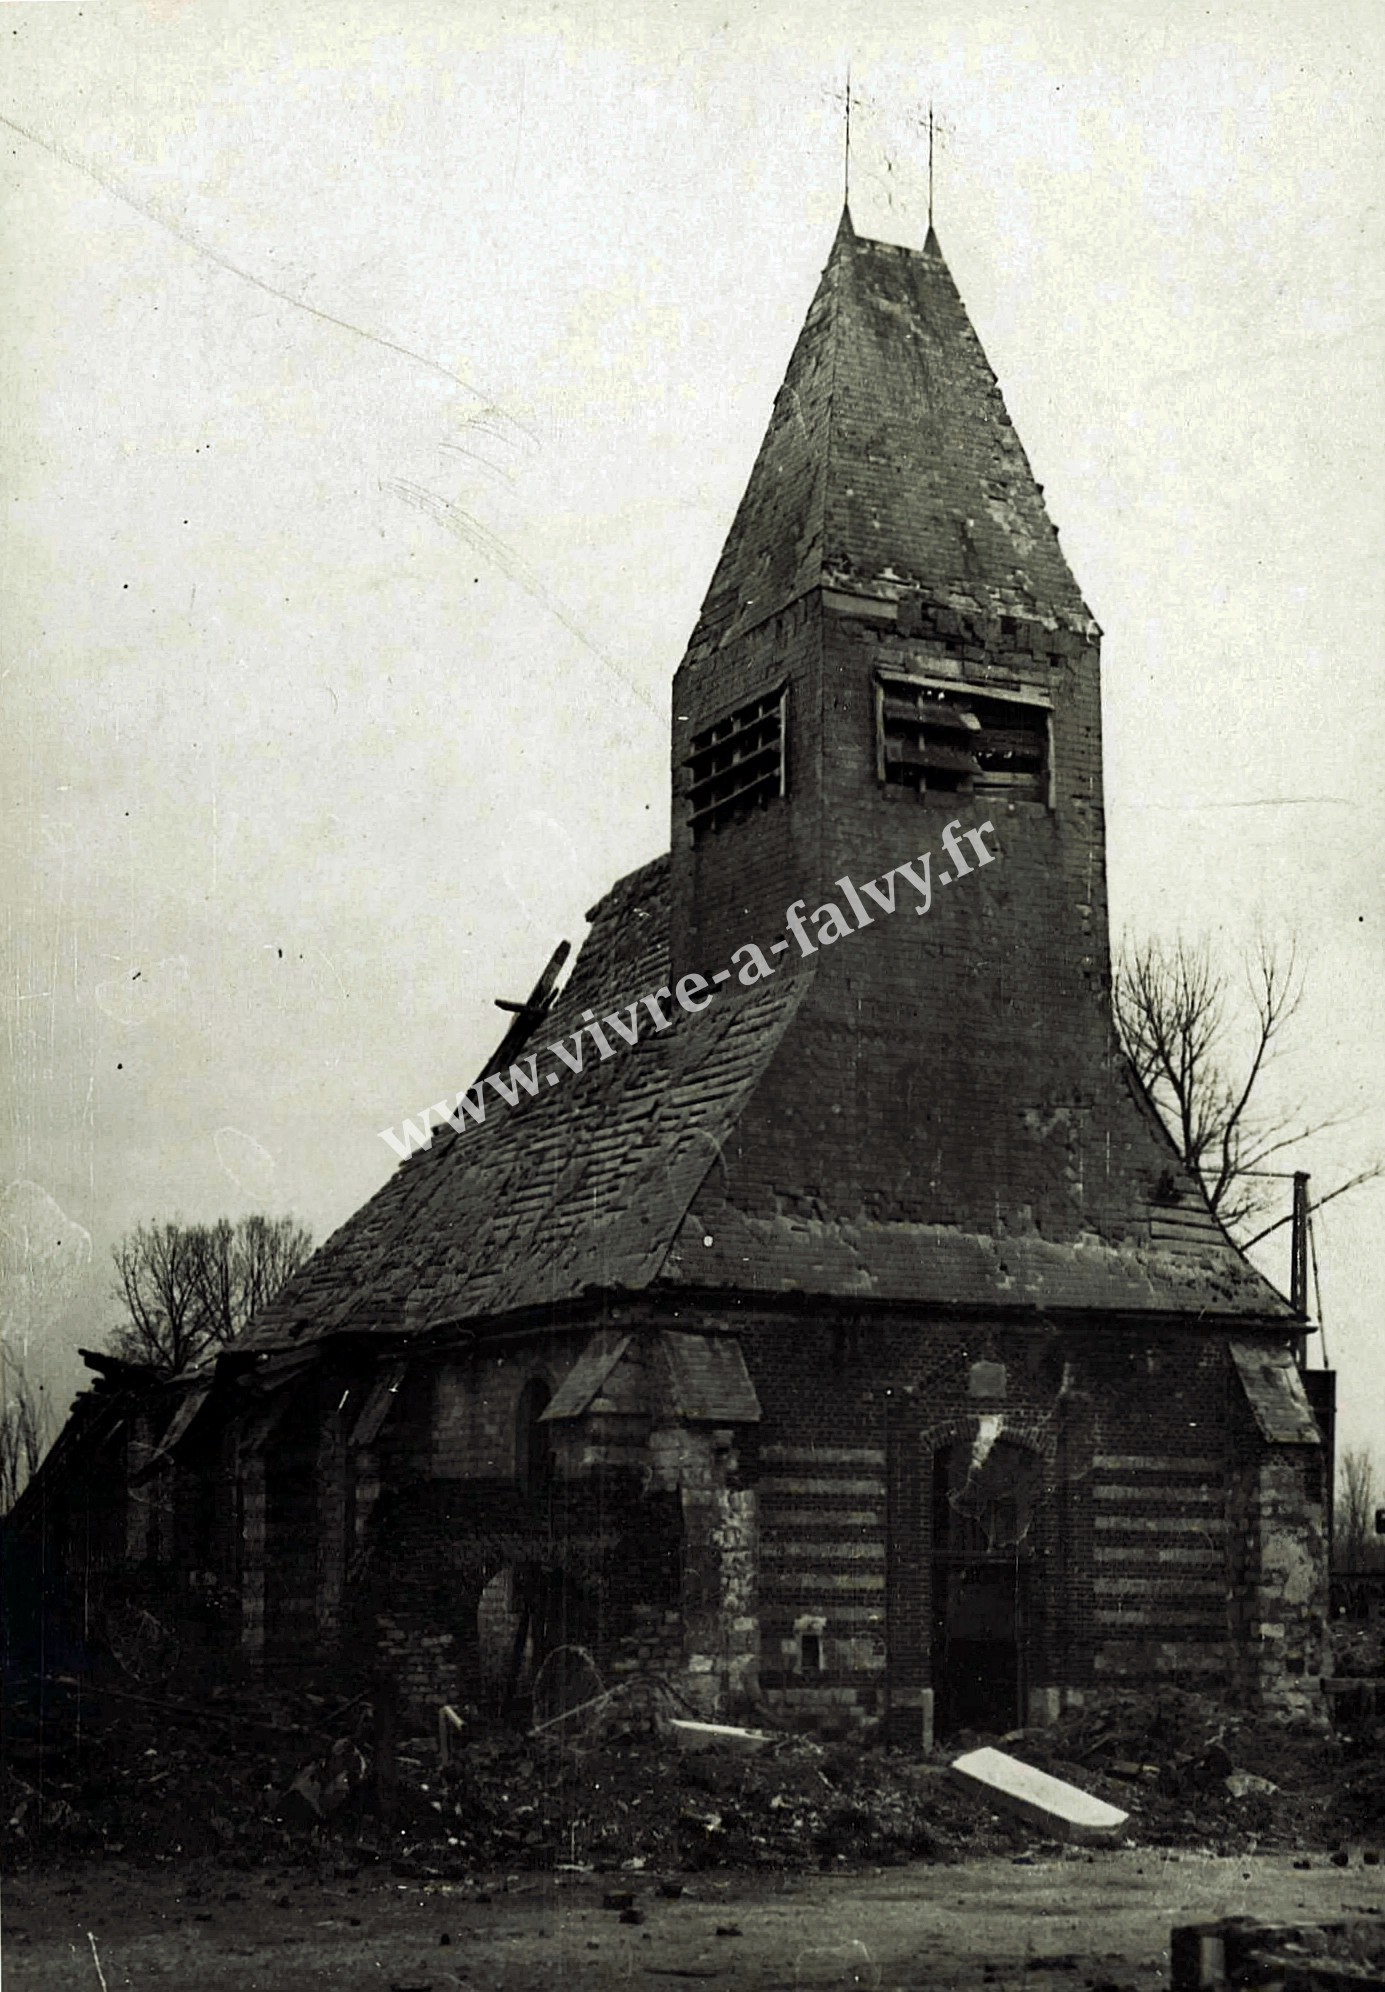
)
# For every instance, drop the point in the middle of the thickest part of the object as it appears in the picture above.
(801, 1558)
(1134, 1553)
(959, 1068)
(473, 1429)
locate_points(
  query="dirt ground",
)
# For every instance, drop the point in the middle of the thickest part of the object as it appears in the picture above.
(1050, 1920)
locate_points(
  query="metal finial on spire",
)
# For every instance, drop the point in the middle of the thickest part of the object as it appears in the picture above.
(846, 155)
(930, 163)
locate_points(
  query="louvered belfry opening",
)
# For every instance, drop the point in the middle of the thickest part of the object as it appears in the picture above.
(738, 764)
(951, 740)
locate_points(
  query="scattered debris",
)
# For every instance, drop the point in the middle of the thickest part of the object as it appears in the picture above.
(325, 1787)
(1325, 1789)
(290, 1775)
(1241, 1784)
(1332, 1957)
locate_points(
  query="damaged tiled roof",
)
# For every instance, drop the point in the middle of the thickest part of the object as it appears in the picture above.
(587, 1375)
(966, 1167)
(702, 1378)
(890, 464)
(615, 1178)
(582, 1187)
(942, 1265)
(1274, 1390)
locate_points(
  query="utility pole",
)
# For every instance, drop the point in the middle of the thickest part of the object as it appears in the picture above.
(1298, 1260)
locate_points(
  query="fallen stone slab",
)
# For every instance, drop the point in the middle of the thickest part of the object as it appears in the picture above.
(1060, 1810)
(717, 1736)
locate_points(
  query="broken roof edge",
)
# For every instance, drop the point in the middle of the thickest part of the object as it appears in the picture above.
(628, 887)
(1274, 1391)
(1021, 1311)
(886, 592)
(678, 1302)
(1144, 1100)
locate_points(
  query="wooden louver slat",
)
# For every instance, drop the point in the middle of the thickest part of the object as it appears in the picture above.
(737, 763)
(953, 740)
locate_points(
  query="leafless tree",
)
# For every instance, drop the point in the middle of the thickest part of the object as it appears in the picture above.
(23, 1432)
(1201, 1057)
(188, 1288)
(1354, 1539)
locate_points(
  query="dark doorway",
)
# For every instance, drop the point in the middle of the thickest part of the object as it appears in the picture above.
(984, 1494)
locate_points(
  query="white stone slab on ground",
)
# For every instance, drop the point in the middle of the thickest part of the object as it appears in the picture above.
(1061, 1810)
(717, 1736)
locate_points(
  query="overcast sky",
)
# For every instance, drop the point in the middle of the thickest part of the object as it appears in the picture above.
(379, 383)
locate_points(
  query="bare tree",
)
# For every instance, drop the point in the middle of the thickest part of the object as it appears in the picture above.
(189, 1288)
(156, 1278)
(264, 1253)
(1354, 1543)
(1201, 1058)
(23, 1433)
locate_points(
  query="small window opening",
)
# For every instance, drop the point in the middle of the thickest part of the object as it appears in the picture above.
(738, 763)
(811, 1652)
(952, 741)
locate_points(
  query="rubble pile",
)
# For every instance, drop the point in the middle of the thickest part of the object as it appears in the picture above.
(636, 1801)
(297, 1777)
(1193, 1771)
(235, 1778)
(113, 1771)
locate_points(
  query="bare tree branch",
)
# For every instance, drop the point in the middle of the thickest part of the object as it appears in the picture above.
(1354, 1541)
(1203, 1073)
(25, 1430)
(188, 1288)
(1371, 1175)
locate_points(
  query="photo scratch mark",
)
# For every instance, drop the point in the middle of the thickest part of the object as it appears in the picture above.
(482, 540)
(246, 1161)
(223, 262)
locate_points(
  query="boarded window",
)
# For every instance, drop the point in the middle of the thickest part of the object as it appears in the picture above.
(739, 764)
(948, 740)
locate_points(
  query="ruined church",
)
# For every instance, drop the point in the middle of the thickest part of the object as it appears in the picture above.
(856, 1350)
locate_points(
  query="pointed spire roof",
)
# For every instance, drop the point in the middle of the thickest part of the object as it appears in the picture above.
(890, 465)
